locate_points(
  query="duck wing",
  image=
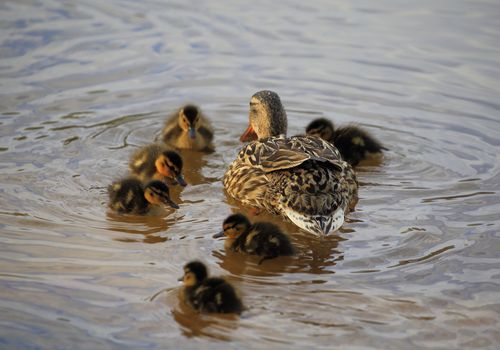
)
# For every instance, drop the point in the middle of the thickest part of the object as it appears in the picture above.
(278, 153)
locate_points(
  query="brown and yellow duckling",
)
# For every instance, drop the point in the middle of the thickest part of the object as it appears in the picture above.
(208, 294)
(188, 128)
(131, 196)
(353, 142)
(302, 178)
(261, 238)
(159, 162)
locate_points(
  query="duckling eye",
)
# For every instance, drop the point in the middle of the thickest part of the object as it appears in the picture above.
(228, 227)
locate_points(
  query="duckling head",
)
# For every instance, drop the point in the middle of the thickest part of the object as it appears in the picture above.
(322, 128)
(267, 117)
(156, 192)
(233, 226)
(194, 273)
(189, 119)
(169, 164)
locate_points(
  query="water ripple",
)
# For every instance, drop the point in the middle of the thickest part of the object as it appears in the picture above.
(416, 265)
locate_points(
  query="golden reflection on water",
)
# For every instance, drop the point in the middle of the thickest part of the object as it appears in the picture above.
(193, 324)
(147, 226)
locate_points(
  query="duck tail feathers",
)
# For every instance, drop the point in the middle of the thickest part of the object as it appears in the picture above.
(319, 225)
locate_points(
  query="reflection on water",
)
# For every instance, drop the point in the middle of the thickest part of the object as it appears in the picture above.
(82, 85)
(193, 324)
(155, 225)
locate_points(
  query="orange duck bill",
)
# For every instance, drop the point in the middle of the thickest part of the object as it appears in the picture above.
(248, 135)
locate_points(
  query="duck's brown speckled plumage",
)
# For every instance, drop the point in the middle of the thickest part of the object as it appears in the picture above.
(302, 178)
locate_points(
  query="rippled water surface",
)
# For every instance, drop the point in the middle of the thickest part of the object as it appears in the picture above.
(83, 84)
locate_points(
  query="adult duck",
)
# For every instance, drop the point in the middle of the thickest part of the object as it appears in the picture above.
(302, 178)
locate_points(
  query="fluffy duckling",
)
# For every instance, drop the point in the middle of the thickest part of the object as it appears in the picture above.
(353, 142)
(206, 294)
(157, 161)
(262, 238)
(131, 196)
(188, 128)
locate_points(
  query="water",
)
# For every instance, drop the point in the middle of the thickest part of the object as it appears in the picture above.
(82, 84)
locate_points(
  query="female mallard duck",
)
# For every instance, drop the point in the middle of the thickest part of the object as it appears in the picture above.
(353, 142)
(205, 294)
(302, 178)
(261, 238)
(157, 161)
(188, 128)
(131, 196)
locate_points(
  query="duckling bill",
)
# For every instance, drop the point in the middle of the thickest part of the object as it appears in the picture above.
(158, 162)
(132, 197)
(208, 294)
(188, 128)
(261, 238)
(353, 142)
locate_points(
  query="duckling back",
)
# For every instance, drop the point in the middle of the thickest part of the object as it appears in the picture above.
(214, 295)
(127, 196)
(142, 161)
(355, 143)
(264, 239)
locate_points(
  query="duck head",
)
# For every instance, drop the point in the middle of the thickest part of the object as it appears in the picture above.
(322, 128)
(233, 226)
(267, 117)
(156, 192)
(169, 164)
(189, 120)
(194, 273)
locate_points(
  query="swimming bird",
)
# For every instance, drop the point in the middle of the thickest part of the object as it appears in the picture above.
(353, 142)
(130, 195)
(302, 178)
(157, 161)
(261, 238)
(188, 128)
(208, 294)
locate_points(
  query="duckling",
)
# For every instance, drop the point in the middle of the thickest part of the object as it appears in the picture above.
(353, 142)
(131, 196)
(157, 161)
(301, 178)
(261, 238)
(188, 128)
(206, 294)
